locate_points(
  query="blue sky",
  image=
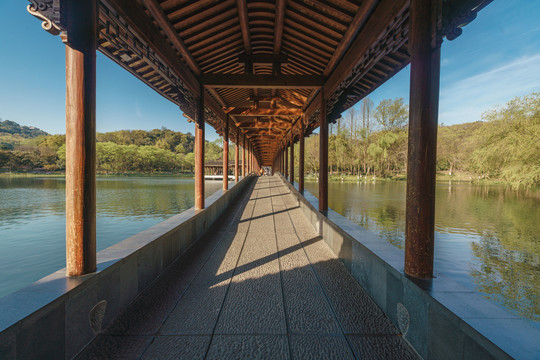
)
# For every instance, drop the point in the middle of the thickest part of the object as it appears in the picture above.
(495, 59)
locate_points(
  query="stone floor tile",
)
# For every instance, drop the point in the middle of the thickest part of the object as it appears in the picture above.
(320, 347)
(177, 348)
(381, 348)
(355, 310)
(260, 284)
(115, 348)
(249, 347)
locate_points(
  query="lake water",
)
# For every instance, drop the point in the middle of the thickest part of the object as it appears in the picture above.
(487, 237)
(32, 218)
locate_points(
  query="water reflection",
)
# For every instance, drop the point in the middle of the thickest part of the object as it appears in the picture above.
(486, 236)
(32, 223)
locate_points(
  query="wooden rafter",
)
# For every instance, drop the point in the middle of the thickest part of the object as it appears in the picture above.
(244, 24)
(358, 21)
(264, 112)
(262, 81)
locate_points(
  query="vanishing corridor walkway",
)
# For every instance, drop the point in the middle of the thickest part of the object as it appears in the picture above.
(261, 284)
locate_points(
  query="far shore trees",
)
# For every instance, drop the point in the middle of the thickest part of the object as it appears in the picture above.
(366, 141)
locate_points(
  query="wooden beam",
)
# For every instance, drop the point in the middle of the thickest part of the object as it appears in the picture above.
(358, 21)
(265, 136)
(278, 28)
(262, 122)
(265, 112)
(161, 19)
(262, 81)
(312, 106)
(142, 25)
(383, 14)
(262, 59)
(244, 24)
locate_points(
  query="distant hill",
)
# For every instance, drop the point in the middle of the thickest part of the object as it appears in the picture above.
(8, 127)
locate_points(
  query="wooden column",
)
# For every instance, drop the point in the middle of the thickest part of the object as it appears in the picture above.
(244, 156)
(226, 155)
(301, 160)
(81, 138)
(247, 159)
(199, 153)
(283, 161)
(292, 162)
(236, 157)
(323, 156)
(250, 169)
(421, 164)
(286, 161)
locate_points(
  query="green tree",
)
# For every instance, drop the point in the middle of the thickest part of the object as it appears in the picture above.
(391, 114)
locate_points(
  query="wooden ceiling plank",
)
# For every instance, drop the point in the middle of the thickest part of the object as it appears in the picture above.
(204, 15)
(358, 21)
(318, 17)
(171, 33)
(329, 10)
(210, 31)
(165, 25)
(209, 56)
(302, 20)
(185, 10)
(308, 31)
(217, 36)
(188, 32)
(244, 24)
(262, 81)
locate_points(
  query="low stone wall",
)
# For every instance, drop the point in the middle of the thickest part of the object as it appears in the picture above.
(440, 318)
(50, 318)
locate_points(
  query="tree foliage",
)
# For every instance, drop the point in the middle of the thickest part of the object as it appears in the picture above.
(503, 146)
(158, 150)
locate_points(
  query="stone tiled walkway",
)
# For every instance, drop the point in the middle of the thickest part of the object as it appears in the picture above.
(261, 285)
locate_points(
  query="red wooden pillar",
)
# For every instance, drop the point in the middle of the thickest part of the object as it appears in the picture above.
(286, 161)
(236, 157)
(247, 158)
(283, 161)
(226, 155)
(244, 156)
(421, 164)
(323, 156)
(301, 160)
(199, 153)
(292, 161)
(81, 138)
(250, 169)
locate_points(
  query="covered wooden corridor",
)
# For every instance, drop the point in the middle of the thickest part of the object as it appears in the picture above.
(260, 285)
(264, 74)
